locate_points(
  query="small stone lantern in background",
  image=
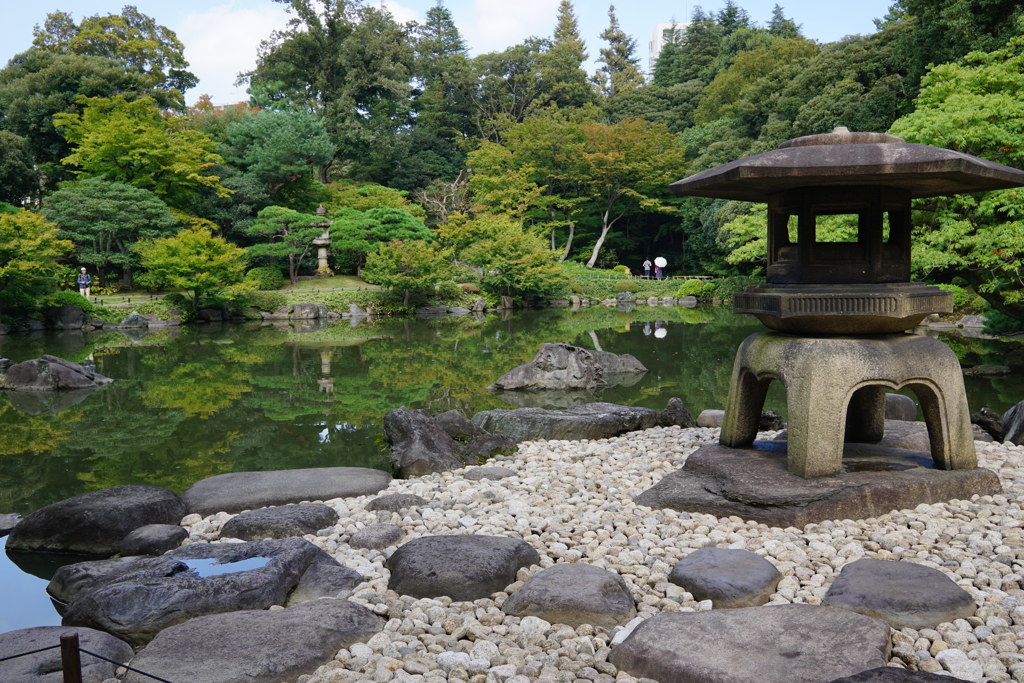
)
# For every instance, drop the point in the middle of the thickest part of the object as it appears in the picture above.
(838, 312)
(322, 243)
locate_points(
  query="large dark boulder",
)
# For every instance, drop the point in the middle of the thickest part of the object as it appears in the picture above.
(45, 667)
(280, 521)
(67, 317)
(990, 422)
(95, 523)
(255, 646)
(153, 539)
(419, 444)
(587, 422)
(563, 366)
(461, 567)
(237, 491)
(135, 598)
(50, 373)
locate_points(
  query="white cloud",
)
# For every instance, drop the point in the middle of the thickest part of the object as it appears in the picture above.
(493, 25)
(401, 13)
(221, 42)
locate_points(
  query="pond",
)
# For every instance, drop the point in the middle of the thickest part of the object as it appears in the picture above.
(189, 403)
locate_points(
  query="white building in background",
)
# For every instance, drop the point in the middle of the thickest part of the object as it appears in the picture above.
(659, 36)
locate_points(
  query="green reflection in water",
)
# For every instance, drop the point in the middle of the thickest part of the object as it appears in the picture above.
(195, 402)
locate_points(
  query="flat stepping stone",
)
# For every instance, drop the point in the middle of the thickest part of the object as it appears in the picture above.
(395, 502)
(282, 521)
(903, 594)
(238, 491)
(153, 539)
(729, 577)
(376, 536)
(461, 567)
(574, 594)
(891, 674)
(94, 523)
(262, 646)
(45, 667)
(495, 473)
(770, 644)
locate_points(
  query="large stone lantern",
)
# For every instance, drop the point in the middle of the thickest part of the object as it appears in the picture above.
(323, 242)
(838, 312)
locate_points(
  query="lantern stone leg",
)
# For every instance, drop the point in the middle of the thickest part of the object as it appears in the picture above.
(835, 390)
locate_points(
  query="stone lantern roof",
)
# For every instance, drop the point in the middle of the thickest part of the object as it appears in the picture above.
(846, 159)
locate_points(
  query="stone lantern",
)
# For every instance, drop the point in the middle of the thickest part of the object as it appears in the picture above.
(322, 242)
(838, 312)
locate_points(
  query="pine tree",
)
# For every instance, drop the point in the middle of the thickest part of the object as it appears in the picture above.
(443, 69)
(781, 26)
(620, 72)
(565, 81)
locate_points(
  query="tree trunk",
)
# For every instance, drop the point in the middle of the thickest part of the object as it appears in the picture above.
(405, 299)
(605, 228)
(568, 242)
(292, 270)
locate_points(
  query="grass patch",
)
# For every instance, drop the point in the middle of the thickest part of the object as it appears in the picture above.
(333, 282)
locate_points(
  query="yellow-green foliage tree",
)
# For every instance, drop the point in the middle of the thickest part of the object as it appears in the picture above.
(408, 267)
(29, 254)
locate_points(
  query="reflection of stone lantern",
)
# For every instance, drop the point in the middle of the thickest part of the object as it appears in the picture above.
(838, 311)
(322, 243)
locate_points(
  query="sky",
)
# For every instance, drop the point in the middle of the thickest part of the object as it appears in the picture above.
(221, 37)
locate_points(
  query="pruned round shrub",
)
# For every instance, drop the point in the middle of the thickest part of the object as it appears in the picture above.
(266, 277)
(621, 269)
(266, 301)
(702, 289)
(470, 288)
(625, 286)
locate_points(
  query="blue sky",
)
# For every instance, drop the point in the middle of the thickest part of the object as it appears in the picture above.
(221, 36)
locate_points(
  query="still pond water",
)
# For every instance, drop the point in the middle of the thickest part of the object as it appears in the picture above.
(189, 403)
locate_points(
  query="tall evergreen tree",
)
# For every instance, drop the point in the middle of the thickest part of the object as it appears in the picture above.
(620, 71)
(565, 81)
(781, 26)
(671, 62)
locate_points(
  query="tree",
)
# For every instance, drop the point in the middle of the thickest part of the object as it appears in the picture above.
(17, 172)
(290, 234)
(561, 66)
(194, 260)
(279, 150)
(29, 254)
(620, 71)
(350, 64)
(782, 27)
(134, 143)
(105, 219)
(509, 83)
(357, 233)
(977, 107)
(37, 84)
(626, 167)
(131, 38)
(408, 267)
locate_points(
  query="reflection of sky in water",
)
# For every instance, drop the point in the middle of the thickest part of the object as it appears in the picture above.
(206, 567)
(25, 602)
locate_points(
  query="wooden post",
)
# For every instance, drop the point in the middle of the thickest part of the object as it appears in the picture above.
(70, 661)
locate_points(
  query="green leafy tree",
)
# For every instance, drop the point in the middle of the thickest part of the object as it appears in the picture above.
(561, 66)
(408, 267)
(977, 107)
(509, 83)
(620, 71)
(131, 38)
(38, 84)
(194, 260)
(105, 219)
(689, 57)
(354, 233)
(17, 172)
(288, 233)
(29, 254)
(134, 143)
(443, 69)
(781, 26)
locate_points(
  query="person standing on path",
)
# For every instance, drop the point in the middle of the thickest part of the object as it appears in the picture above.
(647, 268)
(84, 283)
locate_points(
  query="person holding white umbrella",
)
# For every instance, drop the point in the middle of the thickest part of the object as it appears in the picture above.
(659, 263)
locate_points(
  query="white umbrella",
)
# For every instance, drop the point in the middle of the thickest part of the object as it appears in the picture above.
(660, 262)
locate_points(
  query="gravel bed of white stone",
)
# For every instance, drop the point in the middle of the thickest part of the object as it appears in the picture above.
(573, 502)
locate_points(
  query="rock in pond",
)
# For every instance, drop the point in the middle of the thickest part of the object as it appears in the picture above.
(563, 366)
(419, 444)
(772, 644)
(50, 373)
(135, 598)
(237, 491)
(153, 539)
(575, 594)
(255, 646)
(589, 421)
(45, 667)
(461, 567)
(94, 523)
